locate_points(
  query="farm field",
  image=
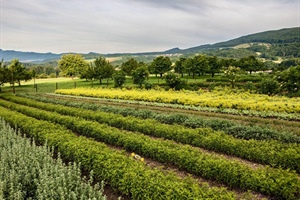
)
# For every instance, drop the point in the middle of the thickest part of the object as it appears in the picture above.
(30, 172)
(164, 148)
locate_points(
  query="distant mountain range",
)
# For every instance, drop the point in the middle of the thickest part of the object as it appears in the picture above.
(282, 37)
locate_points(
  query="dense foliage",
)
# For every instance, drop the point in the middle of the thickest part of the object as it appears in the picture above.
(30, 172)
(165, 151)
(118, 169)
(219, 99)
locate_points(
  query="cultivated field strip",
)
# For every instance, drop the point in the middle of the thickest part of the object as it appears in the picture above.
(272, 152)
(236, 129)
(274, 182)
(30, 172)
(130, 177)
(224, 101)
(281, 124)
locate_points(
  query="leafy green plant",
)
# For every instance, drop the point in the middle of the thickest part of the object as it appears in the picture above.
(117, 169)
(194, 161)
(258, 151)
(30, 172)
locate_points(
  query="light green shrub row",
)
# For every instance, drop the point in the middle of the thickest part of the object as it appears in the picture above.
(28, 171)
(275, 182)
(229, 127)
(130, 177)
(264, 114)
(272, 152)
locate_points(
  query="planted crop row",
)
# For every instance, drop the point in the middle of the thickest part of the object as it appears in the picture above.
(275, 182)
(127, 175)
(217, 99)
(229, 127)
(263, 114)
(30, 172)
(272, 152)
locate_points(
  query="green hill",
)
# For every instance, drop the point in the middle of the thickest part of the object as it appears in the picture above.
(270, 45)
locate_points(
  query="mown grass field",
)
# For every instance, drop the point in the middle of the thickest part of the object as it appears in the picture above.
(183, 151)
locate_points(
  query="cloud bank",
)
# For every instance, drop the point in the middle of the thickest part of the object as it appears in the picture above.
(136, 25)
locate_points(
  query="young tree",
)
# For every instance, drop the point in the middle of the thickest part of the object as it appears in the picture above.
(179, 66)
(201, 64)
(190, 66)
(119, 78)
(289, 80)
(140, 75)
(161, 65)
(18, 72)
(103, 69)
(214, 65)
(232, 74)
(129, 66)
(72, 64)
(173, 81)
(250, 64)
(4, 74)
(88, 72)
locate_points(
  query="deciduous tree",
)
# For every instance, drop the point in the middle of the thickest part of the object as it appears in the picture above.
(161, 65)
(72, 64)
(103, 69)
(140, 75)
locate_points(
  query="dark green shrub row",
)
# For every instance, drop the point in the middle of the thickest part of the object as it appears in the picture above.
(229, 127)
(30, 172)
(233, 173)
(254, 79)
(127, 175)
(271, 152)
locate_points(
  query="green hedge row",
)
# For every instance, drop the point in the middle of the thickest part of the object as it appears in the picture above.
(127, 175)
(30, 172)
(254, 79)
(275, 182)
(263, 114)
(229, 127)
(272, 152)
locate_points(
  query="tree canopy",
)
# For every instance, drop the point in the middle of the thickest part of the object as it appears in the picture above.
(72, 64)
(161, 65)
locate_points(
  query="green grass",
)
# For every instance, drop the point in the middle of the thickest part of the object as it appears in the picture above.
(49, 85)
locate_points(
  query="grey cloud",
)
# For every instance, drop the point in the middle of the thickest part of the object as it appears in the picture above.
(136, 25)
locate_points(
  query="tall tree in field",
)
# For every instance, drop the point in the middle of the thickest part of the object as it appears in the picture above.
(103, 69)
(161, 65)
(190, 67)
(72, 64)
(140, 75)
(201, 64)
(250, 64)
(88, 72)
(214, 65)
(179, 66)
(129, 66)
(4, 74)
(18, 72)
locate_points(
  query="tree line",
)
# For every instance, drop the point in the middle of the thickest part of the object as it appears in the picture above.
(74, 65)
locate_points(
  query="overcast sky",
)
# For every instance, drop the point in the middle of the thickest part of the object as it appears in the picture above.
(111, 26)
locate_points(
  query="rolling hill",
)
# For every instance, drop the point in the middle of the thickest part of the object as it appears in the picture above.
(270, 44)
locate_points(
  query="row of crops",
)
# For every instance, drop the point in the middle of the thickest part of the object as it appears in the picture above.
(217, 99)
(239, 157)
(30, 172)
